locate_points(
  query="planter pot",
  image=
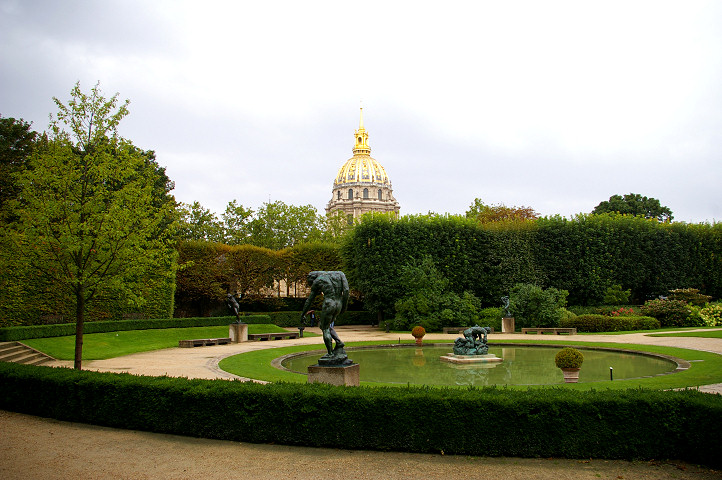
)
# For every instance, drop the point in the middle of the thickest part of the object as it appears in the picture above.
(571, 375)
(418, 340)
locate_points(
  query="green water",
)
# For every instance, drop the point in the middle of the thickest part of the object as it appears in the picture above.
(520, 366)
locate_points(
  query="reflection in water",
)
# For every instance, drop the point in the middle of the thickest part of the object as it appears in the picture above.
(520, 366)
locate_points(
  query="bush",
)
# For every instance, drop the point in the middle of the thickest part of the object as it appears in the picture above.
(615, 295)
(533, 306)
(569, 358)
(690, 296)
(603, 323)
(626, 424)
(710, 315)
(670, 313)
(418, 331)
(492, 317)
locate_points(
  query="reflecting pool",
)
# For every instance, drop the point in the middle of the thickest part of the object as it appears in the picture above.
(521, 365)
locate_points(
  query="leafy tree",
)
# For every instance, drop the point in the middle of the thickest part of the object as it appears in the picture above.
(17, 142)
(635, 204)
(278, 225)
(533, 306)
(199, 223)
(236, 223)
(429, 302)
(86, 213)
(494, 213)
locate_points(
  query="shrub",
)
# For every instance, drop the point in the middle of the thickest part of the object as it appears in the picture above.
(604, 323)
(615, 295)
(670, 313)
(533, 306)
(622, 312)
(490, 316)
(626, 424)
(569, 358)
(711, 315)
(418, 331)
(690, 296)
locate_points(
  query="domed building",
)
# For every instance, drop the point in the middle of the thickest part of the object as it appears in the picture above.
(361, 185)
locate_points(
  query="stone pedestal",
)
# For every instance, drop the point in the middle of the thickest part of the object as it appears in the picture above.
(507, 325)
(238, 332)
(344, 375)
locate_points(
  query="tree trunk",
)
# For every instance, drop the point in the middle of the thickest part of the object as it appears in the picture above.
(79, 323)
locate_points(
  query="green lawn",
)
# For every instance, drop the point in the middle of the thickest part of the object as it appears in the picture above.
(706, 367)
(99, 346)
(702, 334)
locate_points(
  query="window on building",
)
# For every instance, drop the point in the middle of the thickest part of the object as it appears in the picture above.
(339, 195)
(350, 193)
(380, 195)
(366, 193)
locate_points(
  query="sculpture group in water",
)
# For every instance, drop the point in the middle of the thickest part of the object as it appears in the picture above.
(473, 342)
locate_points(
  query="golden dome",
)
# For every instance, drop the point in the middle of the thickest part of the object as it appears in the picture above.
(361, 169)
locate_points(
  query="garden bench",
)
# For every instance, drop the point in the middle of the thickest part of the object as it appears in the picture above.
(272, 336)
(201, 342)
(555, 330)
(460, 330)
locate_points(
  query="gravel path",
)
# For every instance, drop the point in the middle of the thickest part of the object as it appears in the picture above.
(39, 448)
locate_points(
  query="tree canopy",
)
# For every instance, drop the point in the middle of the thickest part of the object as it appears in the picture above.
(94, 214)
(635, 204)
(483, 213)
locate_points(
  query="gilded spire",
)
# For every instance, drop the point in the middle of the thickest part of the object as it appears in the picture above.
(361, 143)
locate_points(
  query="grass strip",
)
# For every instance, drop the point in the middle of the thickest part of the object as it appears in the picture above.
(101, 346)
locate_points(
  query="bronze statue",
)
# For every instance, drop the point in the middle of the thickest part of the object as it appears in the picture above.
(233, 305)
(474, 341)
(335, 290)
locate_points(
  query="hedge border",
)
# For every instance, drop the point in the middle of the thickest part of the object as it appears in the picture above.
(554, 422)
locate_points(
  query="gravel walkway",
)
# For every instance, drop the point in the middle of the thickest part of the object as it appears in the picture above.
(39, 448)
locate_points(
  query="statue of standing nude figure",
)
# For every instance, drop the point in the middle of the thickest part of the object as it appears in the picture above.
(335, 290)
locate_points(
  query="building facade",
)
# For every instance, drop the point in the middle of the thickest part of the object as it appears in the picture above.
(361, 185)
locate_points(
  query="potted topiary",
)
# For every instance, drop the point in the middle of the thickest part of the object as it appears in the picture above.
(418, 332)
(570, 361)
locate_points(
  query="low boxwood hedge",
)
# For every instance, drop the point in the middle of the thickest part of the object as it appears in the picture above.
(60, 330)
(604, 323)
(554, 422)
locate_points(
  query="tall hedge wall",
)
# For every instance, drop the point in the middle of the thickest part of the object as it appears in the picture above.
(630, 424)
(584, 255)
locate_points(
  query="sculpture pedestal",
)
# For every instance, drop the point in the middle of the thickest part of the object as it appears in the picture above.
(470, 359)
(238, 332)
(507, 325)
(342, 375)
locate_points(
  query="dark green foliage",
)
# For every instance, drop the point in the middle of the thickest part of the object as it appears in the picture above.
(554, 422)
(635, 204)
(569, 358)
(533, 306)
(585, 255)
(670, 313)
(604, 323)
(615, 295)
(428, 301)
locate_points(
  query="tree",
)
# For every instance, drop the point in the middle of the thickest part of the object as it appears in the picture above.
(236, 223)
(198, 223)
(17, 142)
(90, 217)
(277, 225)
(495, 213)
(635, 204)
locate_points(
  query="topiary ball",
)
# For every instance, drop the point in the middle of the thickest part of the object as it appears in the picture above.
(418, 331)
(569, 358)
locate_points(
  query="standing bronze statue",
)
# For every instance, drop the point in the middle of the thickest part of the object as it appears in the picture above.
(335, 290)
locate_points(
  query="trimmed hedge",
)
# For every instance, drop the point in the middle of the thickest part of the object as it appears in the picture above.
(603, 323)
(8, 334)
(554, 422)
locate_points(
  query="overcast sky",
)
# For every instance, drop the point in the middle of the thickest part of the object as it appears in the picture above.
(556, 105)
